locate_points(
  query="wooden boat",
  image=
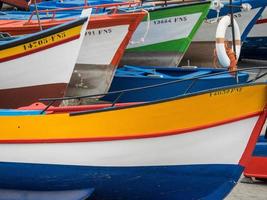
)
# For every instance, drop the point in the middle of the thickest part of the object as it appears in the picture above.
(255, 46)
(44, 5)
(185, 80)
(256, 167)
(190, 147)
(22, 4)
(176, 22)
(32, 66)
(168, 36)
(205, 37)
(105, 40)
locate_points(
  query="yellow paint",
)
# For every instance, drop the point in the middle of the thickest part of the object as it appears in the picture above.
(40, 43)
(190, 112)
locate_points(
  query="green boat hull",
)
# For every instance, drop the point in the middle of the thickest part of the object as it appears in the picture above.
(165, 35)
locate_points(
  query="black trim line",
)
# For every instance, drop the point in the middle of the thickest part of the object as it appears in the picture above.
(164, 100)
(42, 34)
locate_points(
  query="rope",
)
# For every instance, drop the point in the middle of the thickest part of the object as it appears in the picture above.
(142, 39)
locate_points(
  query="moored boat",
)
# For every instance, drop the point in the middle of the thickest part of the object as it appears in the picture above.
(205, 37)
(255, 46)
(32, 66)
(165, 35)
(22, 4)
(167, 145)
(105, 40)
(256, 167)
(185, 80)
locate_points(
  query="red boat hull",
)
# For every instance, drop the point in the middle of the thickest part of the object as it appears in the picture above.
(18, 3)
(257, 168)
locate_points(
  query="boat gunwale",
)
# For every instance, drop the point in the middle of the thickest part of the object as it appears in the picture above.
(164, 100)
(47, 32)
(174, 5)
(135, 136)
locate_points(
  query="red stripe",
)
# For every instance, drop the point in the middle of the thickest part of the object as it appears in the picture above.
(261, 21)
(152, 135)
(253, 139)
(256, 167)
(39, 49)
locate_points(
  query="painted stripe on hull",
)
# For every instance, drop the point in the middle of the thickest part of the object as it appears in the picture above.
(166, 182)
(39, 44)
(260, 29)
(262, 21)
(17, 97)
(178, 114)
(228, 139)
(172, 28)
(177, 26)
(207, 30)
(35, 69)
(205, 39)
(100, 45)
(121, 25)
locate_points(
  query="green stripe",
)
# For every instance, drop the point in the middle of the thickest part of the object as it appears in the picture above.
(169, 46)
(180, 45)
(178, 10)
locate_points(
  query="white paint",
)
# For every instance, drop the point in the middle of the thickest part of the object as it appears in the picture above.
(260, 30)
(222, 144)
(100, 45)
(220, 47)
(207, 30)
(52, 65)
(171, 28)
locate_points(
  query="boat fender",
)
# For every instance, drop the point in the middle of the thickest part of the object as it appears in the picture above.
(225, 55)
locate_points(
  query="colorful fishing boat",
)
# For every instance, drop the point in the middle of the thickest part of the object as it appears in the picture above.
(54, 4)
(133, 152)
(32, 66)
(105, 40)
(246, 17)
(177, 24)
(256, 167)
(165, 34)
(22, 4)
(185, 80)
(255, 46)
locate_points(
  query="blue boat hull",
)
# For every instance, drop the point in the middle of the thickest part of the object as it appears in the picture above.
(255, 48)
(128, 81)
(213, 181)
(261, 147)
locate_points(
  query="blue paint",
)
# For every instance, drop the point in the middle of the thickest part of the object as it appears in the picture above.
(15, 112)
(213, 181)
(69, 3)
(133, 77)
(261, 147)
(251, 24)
(46, 5)
(255, 48)
(226, 9)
